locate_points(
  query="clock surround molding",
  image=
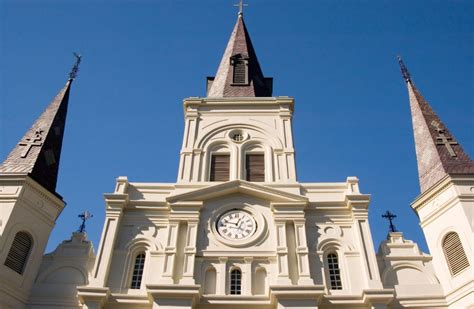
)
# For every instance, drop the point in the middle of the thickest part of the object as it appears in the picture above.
(261, 225)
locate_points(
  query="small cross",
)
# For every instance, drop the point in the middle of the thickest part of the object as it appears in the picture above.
(75, 68)
(241, 5)
(84, 217)
(442, 139)
(389, 216)
(32, 141)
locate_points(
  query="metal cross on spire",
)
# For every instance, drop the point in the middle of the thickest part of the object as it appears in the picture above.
(75, 68)
(241, 5)
(390, 216)
(84, 217)
(442, 139)
(403, 68)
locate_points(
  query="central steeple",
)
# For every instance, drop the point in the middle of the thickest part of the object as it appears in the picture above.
(239, 73)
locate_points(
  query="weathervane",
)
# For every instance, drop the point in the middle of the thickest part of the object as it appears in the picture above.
(403, 68)
(390, 216)
(84, 217)
(241, 5)
(75, 68)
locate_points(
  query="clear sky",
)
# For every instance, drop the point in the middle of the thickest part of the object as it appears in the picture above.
(141, 58)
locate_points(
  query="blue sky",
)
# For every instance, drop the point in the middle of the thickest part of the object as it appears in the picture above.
(141, 58)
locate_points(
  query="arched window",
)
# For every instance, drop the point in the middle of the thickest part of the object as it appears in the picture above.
(334, 272)
(254, 164)
(220, 164)
(138, 271)
(235, 282)
(19, 252)
(454, 252)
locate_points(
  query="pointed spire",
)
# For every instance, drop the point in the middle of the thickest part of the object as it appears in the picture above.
(39, 151)
(239, 73)
(437, 151)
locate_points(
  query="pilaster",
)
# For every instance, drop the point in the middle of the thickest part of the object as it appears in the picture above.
(182, 212)
(221, 276)
(302, 251)
(291, 212)
(359, 204)
(247, 276)
(115, 203)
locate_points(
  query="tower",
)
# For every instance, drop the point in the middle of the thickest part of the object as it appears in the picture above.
(445, 205)
(29, 202)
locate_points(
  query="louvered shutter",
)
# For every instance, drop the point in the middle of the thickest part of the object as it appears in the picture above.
(19, 251)
(240, 72)
(219, 168)
(255, 167)
(455, 255)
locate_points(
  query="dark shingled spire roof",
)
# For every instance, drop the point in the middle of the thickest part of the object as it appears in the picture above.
(240, 46)
(38, 152)
(437, 151)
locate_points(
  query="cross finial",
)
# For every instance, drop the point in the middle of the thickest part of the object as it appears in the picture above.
(85, 215)
(390, 216)
(403, 68)
(241, 5)
(75, 68)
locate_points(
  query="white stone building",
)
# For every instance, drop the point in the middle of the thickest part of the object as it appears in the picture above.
(237, 229)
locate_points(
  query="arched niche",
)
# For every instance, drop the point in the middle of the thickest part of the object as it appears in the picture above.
(210, 281)
(259, 284)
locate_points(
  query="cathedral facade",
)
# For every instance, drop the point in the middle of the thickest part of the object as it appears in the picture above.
(237, 229)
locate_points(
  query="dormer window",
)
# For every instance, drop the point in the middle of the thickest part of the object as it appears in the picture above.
(240, 74)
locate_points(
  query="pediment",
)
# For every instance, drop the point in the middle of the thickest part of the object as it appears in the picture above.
(237, 186)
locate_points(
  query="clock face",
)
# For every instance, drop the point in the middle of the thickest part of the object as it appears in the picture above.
(236, 224)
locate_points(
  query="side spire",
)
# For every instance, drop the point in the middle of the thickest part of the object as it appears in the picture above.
(39, 151)
(437, 151)
(239, 73)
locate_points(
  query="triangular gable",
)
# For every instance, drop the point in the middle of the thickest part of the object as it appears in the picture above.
(237, 186)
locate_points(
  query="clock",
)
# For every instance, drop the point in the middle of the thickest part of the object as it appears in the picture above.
(236, 224)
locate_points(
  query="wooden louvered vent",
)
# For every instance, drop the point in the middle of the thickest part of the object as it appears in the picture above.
(19, 252)
(455, 255)
(219, 167)
(240, 72)
(255, 167)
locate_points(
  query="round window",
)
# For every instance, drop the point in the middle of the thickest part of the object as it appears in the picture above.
(237, 137)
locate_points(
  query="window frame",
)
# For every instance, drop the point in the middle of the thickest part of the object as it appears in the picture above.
(238, 59)
(133, 285)
(25, 258)
(247, 153)
(336, 283)
(214, 154)
(450, 255)
(235, 284)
